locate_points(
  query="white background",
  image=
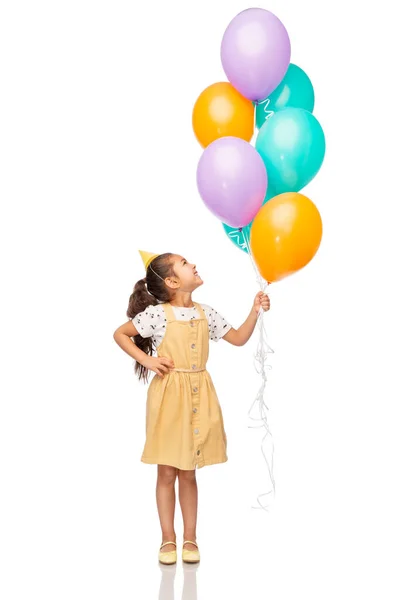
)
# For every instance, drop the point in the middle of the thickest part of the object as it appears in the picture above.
(98, 160)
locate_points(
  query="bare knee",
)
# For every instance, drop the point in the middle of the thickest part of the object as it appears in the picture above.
(186, 476)
(166, 474)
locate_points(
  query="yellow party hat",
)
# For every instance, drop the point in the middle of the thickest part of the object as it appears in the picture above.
(147, 257)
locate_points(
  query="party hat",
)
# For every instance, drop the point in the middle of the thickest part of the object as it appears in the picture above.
(147, 257)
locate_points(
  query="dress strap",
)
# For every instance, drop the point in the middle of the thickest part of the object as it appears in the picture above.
(169, 313)
(200, 310)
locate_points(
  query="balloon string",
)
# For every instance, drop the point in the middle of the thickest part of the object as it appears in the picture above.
(267, 112)
(261, 366)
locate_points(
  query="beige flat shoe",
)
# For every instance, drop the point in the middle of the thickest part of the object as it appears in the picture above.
(190, 556)
(167, 558)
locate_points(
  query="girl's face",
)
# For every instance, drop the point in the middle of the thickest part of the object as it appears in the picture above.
(186, 272)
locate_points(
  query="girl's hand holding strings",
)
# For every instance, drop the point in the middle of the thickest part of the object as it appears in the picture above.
(159, 364)
(261, 300)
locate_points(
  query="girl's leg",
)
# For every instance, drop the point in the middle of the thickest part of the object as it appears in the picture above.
(188, 497)
(165, 495)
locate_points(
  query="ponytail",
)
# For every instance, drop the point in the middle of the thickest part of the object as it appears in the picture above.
(151, 290)
(139, 299)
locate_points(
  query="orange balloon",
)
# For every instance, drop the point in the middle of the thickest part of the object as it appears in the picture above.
(285, 235)
(220, 111)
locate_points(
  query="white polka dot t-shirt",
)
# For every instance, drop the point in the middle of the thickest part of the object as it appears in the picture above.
(152, 321)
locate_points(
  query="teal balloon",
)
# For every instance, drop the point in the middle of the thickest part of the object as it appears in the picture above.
(237, 236)
(292, 146)
(241, 238)
(294, 91)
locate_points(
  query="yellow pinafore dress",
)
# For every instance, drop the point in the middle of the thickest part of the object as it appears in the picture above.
(184, 422)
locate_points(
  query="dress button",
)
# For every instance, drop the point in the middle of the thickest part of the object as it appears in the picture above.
(196, 430)
(193, 346)
(195, 390)
(193, 366)
(198, 452)
(195, 410)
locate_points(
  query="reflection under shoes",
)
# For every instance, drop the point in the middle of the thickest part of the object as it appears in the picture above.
(168, 572)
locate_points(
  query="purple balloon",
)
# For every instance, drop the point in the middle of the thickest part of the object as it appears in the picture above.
(255, 52)
(232, 180)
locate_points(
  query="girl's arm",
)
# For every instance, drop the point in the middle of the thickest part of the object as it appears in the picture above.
(159, 364)
(239, 337)
(123, 336)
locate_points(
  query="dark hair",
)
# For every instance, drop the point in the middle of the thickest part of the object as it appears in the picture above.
(150, 290)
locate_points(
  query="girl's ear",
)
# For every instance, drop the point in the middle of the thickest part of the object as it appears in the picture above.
(172, 282)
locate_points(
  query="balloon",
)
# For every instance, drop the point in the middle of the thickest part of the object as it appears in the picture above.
(285, 235)
(241, 237)
(295, 90)
(255, 52)
(292, 146)
(232, 180)
(221, 111)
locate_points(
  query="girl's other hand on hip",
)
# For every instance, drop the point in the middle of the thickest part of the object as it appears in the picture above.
(159, 364)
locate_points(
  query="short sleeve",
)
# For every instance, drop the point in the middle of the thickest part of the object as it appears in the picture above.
(149, 321)
(218, 326)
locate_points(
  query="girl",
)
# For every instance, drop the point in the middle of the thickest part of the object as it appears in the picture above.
(184, 423)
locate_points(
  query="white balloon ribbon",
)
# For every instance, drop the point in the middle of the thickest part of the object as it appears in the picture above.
(259, 407)
(265, 103)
